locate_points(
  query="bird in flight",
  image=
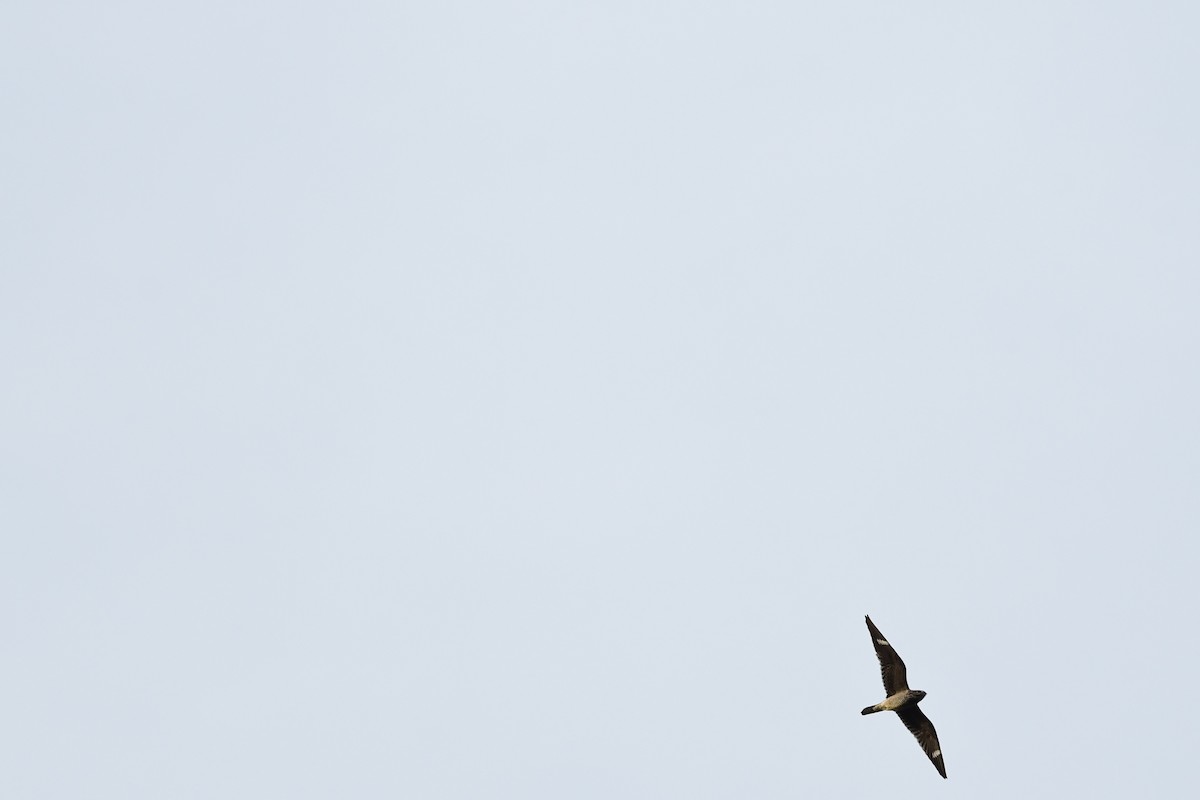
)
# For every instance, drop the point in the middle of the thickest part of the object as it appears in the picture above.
(903, 700)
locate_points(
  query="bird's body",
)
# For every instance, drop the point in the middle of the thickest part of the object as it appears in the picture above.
(897, 701)
(903, 700)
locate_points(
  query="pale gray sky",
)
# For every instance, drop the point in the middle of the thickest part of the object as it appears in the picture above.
(528, 399)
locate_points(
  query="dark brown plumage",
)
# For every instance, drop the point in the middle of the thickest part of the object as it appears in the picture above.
(903, 700)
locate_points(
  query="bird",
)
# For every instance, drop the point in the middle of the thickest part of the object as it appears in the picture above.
(902, 699)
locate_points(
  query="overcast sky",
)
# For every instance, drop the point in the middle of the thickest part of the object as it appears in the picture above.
(527, 400)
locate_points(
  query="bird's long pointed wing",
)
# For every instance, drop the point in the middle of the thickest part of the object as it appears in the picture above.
(915, 720)
(895, 679)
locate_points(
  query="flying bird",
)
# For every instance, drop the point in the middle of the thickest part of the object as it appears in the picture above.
(903, 700)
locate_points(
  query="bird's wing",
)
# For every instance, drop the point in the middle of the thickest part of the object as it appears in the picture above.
(894, 677)
(915, 720)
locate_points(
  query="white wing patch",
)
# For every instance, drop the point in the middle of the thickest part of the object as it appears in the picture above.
(883, 642)
(935, 753)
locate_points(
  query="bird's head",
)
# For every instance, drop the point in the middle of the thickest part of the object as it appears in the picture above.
(918, 695)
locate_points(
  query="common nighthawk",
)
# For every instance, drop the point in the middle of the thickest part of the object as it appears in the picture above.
(902, 699)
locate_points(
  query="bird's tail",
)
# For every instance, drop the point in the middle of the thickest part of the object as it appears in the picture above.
(871, 709)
